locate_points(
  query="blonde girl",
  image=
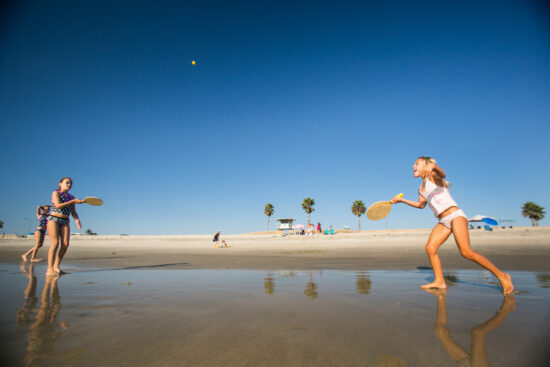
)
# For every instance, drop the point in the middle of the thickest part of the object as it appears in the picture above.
(434, 191)
(39, 234)
(63, 205)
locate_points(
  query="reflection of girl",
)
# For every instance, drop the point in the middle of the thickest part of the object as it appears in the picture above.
(23, 315)
(434, 191)
(58, 224)
(478, 354)
(42, 333)
(39, 234)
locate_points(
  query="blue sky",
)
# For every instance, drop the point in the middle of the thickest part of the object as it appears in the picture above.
(288, 100)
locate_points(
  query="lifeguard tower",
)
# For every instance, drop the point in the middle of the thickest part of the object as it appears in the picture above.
(285, 224)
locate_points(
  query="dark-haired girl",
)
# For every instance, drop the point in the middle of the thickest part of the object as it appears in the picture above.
(63, 205)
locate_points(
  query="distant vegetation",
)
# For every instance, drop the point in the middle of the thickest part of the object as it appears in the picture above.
(307, 205)
(533, 211)
(90, 233)
(358, 208)
(268, 210)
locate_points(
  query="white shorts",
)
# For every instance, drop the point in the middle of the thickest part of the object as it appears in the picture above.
(446, 221)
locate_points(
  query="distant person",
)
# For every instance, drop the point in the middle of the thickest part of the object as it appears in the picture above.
(331, 230)
(319, 227)
(216, 238)
(434, 191)
(224, 244)
(58, 224)
(42, 216)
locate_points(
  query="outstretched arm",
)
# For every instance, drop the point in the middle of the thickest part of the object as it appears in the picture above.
(76, 218)
(38, 211)
(420, 204)
(58, 204)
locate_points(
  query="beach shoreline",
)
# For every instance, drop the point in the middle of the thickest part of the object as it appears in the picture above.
(518, 249)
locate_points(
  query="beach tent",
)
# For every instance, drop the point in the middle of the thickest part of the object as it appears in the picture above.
(483, 218)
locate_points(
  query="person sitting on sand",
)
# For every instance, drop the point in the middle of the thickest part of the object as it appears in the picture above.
(42, 215)
(224, 244)
(434, 192)
(216, 238)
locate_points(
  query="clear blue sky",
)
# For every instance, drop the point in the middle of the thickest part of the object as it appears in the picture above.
(288, 99)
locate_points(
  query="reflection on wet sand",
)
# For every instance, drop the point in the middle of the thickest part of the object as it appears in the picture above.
(478, 352)
(363, 283)
(543, 280)
(269, 284)
(311, 288)
(43, 328)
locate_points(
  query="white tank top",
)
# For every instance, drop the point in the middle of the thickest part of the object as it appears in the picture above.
(438, 198)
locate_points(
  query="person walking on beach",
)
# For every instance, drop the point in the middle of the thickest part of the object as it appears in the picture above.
(319, 227)
(40, 233)
(216, 238)
(434, 191)
(58, 224)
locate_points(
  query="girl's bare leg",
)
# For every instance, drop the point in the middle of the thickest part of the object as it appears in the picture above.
(53, 230)
(64, 234)
(39, 237)
(439, 235)
(462, 238)
(39, 243)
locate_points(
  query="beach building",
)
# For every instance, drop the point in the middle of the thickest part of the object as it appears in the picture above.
(284, 224)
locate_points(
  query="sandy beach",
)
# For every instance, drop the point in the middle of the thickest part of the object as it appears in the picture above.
(521, 248)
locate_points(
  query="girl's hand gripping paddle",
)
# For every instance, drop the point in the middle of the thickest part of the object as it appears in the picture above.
(93, 201)
(380, 209)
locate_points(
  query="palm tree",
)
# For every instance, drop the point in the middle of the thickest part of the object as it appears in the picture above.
(268, 210)
(307, 205)
(533, 211)
(358, 208)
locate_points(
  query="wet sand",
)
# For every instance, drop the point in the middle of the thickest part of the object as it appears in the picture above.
(523, 248)
(352, 299)
(205, 317)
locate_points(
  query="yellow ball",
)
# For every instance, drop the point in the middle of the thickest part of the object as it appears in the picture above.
(193, 62)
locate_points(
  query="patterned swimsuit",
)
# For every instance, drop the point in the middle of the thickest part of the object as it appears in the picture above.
(63, 198)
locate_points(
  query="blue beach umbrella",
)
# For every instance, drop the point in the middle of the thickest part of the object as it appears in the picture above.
(485, 219)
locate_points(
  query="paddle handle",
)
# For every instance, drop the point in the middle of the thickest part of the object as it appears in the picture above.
(400, 195)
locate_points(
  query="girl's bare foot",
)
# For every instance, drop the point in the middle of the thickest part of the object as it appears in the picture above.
(35, 260)
(61, 272)
(51, 273)
(506, 282)
(437, 285)
(24, 257)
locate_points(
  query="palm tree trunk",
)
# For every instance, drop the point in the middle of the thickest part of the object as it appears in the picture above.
(308, 220)
(533, 224)
(359, 223)
(267, 226)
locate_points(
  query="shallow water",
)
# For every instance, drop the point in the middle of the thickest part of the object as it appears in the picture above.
(136, 317)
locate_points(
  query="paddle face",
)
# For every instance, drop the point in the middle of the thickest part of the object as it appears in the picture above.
(93, 201)
(380, 209)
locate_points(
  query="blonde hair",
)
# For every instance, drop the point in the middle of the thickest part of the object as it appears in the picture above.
(427, 160)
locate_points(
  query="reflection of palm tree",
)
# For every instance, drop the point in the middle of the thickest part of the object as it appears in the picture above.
(478, 354)
(543, 280)
(358, 208)
(311, 288)
(269, 284)
(363, 283)
(533, 211)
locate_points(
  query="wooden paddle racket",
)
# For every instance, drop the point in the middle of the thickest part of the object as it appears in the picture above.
(380, 209)
(93, 201)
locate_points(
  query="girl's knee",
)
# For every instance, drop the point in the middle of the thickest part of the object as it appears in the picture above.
(468, 254)
(430, 250)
